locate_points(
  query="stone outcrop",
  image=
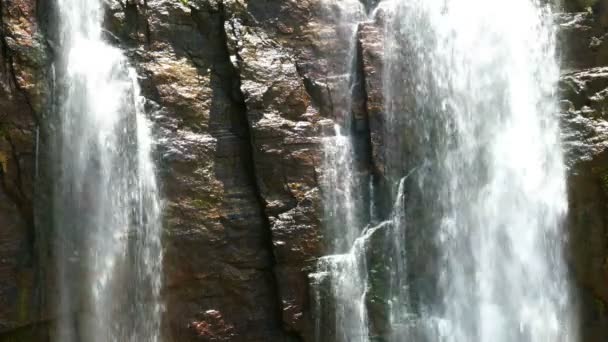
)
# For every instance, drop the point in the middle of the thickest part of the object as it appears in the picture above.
(371, 46)
(239, 152)
(227, 166)
(583, 89)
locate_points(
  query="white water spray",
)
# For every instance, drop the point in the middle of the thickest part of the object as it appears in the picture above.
(107, 205)
(470, 94)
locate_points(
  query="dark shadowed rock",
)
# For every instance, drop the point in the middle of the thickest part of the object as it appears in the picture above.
(23, 63)
(583, 90)
(371, 45)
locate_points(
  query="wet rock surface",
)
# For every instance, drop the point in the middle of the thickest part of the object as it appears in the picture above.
(583, 88)
(239, 152)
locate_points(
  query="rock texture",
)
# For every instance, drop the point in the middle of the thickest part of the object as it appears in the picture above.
(224, 151)
(241, 93)
(584, 90)
(23, 65)
(239, 148)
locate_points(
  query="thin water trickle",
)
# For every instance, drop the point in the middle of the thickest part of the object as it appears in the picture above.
(341, 277)
(107, 205)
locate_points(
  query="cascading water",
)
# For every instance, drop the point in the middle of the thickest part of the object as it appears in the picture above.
(470, 105)
(342, 275)
(107, 208)
(343, 271)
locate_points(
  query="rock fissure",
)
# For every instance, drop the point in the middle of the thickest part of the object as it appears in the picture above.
(253, 174)
(361, 126)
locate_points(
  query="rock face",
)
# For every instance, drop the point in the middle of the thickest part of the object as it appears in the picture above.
(241, 93)
(23, 65)
(239, 148)
(584, 87)
(237, 144)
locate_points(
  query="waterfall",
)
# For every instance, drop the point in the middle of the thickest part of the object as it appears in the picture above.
(107, 209)
(340, 279)
(470, 101)
(473, 247)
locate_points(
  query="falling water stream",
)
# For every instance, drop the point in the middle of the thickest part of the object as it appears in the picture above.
(107, 206)
(475, 170)
(342, 274)
(470, 96)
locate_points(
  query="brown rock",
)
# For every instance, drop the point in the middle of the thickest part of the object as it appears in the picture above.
(286, 155)
(217, 245)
